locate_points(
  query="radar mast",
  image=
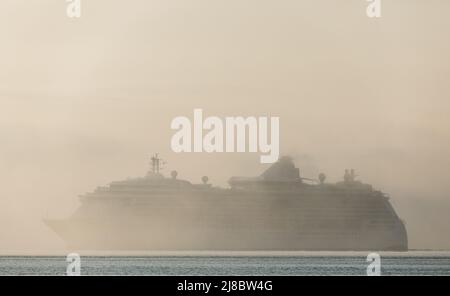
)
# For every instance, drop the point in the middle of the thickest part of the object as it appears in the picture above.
(157, 163)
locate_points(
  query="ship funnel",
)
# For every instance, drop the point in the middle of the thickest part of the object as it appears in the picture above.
(283, 170)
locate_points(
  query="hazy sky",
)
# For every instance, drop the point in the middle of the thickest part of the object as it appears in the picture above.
(84, 102)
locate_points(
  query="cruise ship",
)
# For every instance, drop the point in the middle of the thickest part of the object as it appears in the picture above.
(276, 211)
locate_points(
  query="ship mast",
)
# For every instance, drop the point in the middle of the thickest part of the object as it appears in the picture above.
(156, 163)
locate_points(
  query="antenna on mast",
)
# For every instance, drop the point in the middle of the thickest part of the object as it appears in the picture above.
(157, 164)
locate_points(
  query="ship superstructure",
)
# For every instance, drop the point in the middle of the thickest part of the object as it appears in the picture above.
(277, 210)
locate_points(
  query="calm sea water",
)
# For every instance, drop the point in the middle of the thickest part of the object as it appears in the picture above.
(409, 263)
